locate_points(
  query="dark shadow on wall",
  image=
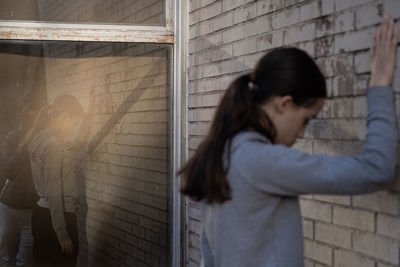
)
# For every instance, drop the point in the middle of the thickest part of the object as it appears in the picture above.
(92, 146)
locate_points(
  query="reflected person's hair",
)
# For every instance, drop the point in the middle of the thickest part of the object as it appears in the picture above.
(61, 104)
(284, 71)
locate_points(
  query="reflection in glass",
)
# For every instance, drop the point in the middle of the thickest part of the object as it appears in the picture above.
(121, 170)
(136, 12)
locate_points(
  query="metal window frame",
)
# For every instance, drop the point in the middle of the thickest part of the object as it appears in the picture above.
(95, 32)
(179, 117)
(45, 31)
(171, 33)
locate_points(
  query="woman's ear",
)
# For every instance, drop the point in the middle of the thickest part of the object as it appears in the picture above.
(283, 103)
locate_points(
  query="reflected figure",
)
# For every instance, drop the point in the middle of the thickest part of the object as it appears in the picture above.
(18, 196)
(60, 129)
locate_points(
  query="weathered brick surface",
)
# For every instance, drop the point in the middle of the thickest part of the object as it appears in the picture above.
(139, 12)
(353, 218)
(344, 258)
(376, 246)
(318, 252)
(339, 230)
(124, 219)
(316, 210)
(308, 228)
(333, 235)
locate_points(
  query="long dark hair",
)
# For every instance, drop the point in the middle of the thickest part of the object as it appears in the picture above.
(284, 71)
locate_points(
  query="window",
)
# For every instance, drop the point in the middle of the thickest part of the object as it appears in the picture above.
(126, 52)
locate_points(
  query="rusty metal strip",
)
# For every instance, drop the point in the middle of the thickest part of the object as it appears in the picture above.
(17, 30)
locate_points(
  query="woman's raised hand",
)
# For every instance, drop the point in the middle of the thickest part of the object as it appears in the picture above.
(383, 54)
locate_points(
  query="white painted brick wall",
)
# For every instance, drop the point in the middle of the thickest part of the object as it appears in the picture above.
(310, 11)
(339, 231)
(352, 218)
(344, 22)
(318, 252)
(368, 15)
(333, 235)
(245, 12)
(316, 210)
(376, 246)
(308, 228)
(345, 258)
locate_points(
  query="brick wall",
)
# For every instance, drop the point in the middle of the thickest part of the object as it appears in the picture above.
(124, 215)
(227, 37)
(147, 12)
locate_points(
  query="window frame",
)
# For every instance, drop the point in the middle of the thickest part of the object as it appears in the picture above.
(172, 34)
(54, 31)
(95, 32)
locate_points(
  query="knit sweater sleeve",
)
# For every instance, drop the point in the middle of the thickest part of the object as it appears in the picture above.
(208, 258)
(277, 169)
(54, 188)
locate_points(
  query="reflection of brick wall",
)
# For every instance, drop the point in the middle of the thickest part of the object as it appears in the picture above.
(228, 37)
(125, 181)
(147, 12)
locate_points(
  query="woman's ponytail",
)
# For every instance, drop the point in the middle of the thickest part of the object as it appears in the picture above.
(205, 174)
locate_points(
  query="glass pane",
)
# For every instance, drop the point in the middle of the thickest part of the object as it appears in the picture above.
(135, 12)
(111, 169)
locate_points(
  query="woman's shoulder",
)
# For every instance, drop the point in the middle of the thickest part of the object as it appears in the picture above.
(250, 142)
(44, 142)
(250, 149)
(246, 137)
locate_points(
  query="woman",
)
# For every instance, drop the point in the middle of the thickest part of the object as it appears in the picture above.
(247, 177)
(54, 223)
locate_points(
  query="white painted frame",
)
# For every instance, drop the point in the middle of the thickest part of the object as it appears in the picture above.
(44, 31)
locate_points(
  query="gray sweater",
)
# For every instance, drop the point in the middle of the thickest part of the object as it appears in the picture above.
(55, 181)
(261, 225)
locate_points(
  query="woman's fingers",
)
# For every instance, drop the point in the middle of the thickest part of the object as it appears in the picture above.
(390, 32)
(384, 30)
(67, 247)
(378, 35)
(383, 53)
(386, 34)
(373, 52)
(395, 38)
(70, 248)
